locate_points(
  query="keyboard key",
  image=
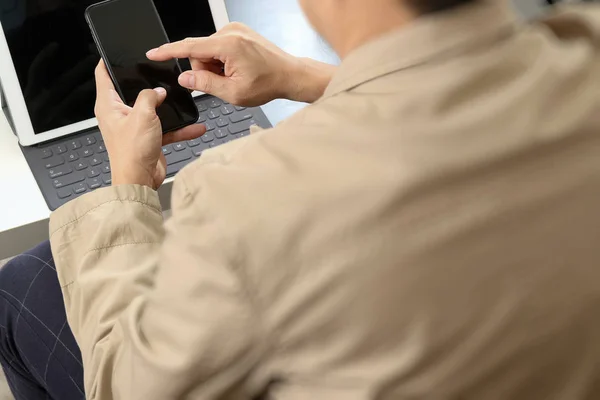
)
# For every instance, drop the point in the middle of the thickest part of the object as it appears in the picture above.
(215, 103)
(179, 156)
(107, 179)
(241, 126)
(213, 114)
(210, 126)
(106, 168)
(202, 107)
(179, 146)
(60, 171)
(227, 109)
(47, 153)
(202, 118)
(95, 161)
(79, 188)
(212, 145)
(93, 172)
(54, 162)
(90, 140)
(100, 148)
(197, 152)
(174, 168)
(86, 153)
(80, 165)
(61, 148)
(68, 180)
(166, 150)
(94, 183)
(222, 122)
(239, 108)
(75, 144)
(106, 157)
(208, 137)
(194, 143)
(240, 117)
(221, 133)
(73, 157)
(63, 193)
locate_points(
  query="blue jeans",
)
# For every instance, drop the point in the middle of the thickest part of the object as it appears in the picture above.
(38, 352)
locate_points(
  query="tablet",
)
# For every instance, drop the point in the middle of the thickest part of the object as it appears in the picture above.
(48, 57)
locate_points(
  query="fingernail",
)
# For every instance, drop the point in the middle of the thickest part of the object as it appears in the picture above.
(187, 80)
(160, 91)
(150, 52)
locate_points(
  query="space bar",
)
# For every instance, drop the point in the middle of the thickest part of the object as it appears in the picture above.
(68, 180)
(241, 126)
(179, 156)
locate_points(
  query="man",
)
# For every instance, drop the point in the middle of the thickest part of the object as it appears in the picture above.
(426, 229)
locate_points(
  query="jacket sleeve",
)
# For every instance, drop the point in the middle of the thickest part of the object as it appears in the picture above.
(157, 314)
(576, 22)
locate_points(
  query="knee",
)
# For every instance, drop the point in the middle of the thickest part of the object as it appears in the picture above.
(23, 268)
(12, 274)
(19, 278)
(19, 273)
(13, 277)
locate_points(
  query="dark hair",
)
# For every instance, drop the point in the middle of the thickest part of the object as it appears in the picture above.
(432, 6)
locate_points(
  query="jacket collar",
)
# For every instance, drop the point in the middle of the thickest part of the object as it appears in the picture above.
(428, 38)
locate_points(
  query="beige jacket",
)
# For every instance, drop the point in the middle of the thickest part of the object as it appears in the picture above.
(429, 229)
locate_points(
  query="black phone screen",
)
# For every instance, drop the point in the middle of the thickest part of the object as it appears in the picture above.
(124, 31)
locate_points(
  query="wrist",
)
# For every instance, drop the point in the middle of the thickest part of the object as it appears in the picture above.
(120, 180)
(129, 176)
(307, 80)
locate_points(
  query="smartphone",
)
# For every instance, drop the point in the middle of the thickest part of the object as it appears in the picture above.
(124, 30)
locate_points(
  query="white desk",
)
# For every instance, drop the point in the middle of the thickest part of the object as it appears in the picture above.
(23, 211)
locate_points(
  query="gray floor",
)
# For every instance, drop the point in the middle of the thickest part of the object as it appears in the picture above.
(4, 392)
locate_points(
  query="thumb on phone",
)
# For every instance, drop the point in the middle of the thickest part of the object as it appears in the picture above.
(149, 100)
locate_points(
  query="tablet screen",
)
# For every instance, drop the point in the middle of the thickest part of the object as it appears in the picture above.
(54, 54)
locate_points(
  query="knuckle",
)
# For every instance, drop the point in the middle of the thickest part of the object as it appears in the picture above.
(229, 27)
(242, 39)
(190, 42)
(237, 97)
(142, 97)
(146, 94)
(145, 112)
(234, 41)
(99, 110)
(238, 26)
(205, 83)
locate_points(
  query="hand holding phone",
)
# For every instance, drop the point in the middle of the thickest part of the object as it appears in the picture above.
(124, 30)
(133, 135)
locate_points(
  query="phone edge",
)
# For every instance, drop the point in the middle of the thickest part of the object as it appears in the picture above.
(162, 26)
(109, 69)
(99, 45)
